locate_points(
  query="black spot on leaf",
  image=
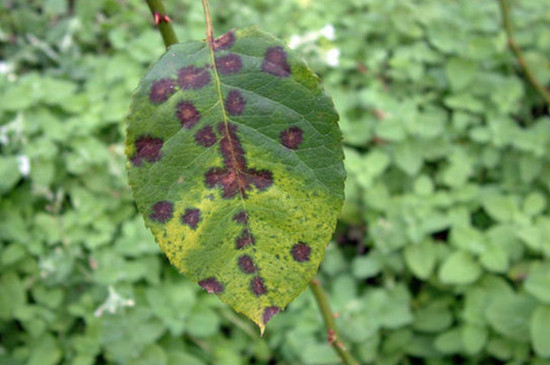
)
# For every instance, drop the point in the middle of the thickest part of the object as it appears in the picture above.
(229, 64)
(211, 285)
(247, 264)
(291, 138)
(235, 103)
(225, 41)
(246, 238)
(269, 312)
(241, 217)
(275, 62)
(192, 77)
(300, 252)
(191, 217)
(257, 286)
(148, 149)
(235, 177)
(187, 114)
(206, 137)
(162, 211)
(161, 90)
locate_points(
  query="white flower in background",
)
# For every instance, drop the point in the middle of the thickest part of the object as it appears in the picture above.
(113, 303)
(5, 67)
(332, 57)
(328, 32)
(24, 165)
(311, 37)
(308, 43)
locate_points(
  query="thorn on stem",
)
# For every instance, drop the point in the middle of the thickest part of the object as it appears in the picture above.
(341, 345)
(162, 18)
(331, 336)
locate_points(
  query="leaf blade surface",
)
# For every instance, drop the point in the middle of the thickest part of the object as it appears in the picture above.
(235, 163)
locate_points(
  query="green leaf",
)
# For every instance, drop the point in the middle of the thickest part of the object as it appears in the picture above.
(460, 72)
(203, 322)
(474, 338)
(509, 315)
(13, 294)
(500, 207)
(435, 317)
(364, 267)
(449, 342)
(534, 204)
(125, 335)
(459, 268)
(9, 170)
(538, 282)
(391, 308)
(540, 331)
(45, 351)
(494, 258)
(408, 157)
(235, 162)
(421, 258)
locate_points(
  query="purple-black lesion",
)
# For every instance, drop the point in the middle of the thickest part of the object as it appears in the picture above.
(206, 137)
(257, 286)
(247, 264)
(191, 217)
(244, 239)
(211, 285)
(241, 217)
(229, 64)
(275, 62)
(192, 77)
(300, 252)
(161, 90)
(147, 148)
(234, 103)
(162, 211)
(235, 177)
(269, 312)
(225, 41)
(187, 114)
(291, 138)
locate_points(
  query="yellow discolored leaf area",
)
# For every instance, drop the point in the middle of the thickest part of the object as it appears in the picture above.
(235, 161)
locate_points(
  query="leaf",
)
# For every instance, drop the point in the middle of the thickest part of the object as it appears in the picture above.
(474, 338)
(509, 315)
(449, 342)
(459, 268)
(435, 317)
(45, 351)
(235, 162)
(540, 331)
(460, 72)
(421, 259)
(538, 282)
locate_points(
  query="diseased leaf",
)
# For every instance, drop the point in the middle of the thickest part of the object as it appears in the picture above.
(235, 162)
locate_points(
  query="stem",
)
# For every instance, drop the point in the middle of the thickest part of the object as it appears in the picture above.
(328, 317)
(505, 11)
(208, 20)
(163, 22)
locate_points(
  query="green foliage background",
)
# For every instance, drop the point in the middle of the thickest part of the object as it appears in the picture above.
(442, 250)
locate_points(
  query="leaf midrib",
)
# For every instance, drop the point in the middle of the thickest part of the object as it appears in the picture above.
(225, 119)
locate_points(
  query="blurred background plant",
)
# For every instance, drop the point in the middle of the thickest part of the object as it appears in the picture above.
(441, 254)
